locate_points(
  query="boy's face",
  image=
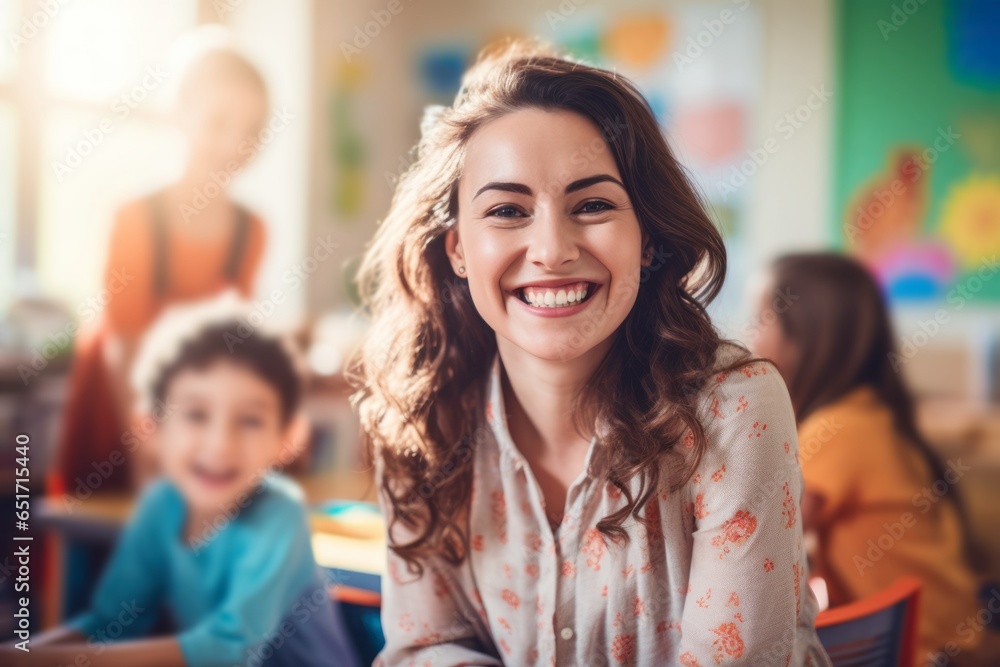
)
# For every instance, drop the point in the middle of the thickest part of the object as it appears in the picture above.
(223, 432)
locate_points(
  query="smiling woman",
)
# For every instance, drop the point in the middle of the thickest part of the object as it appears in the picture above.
(569, 456)
(550, 247)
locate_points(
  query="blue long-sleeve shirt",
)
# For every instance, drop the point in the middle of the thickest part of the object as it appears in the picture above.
(250, 594)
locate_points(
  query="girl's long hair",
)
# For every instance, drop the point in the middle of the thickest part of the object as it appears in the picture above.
(839, 324)
(420, 374)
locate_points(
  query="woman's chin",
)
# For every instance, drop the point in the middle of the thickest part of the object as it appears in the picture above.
(558, 348)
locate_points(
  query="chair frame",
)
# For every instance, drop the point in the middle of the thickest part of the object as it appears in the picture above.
(904, 590)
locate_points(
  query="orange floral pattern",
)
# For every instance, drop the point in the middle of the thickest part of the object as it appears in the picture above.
(728, 642)
(593, 548)
(623, 648)
(735, 531)
(788, 508)
(698, 507)
(688, 659)
(511, 598)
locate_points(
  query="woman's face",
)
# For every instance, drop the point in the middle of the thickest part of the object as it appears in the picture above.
(223, 123)
(551, 245)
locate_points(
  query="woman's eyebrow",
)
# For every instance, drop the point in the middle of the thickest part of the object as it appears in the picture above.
(592, 180)
(523, 189)
(520, 188)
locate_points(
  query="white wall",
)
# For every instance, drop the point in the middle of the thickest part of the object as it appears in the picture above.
(790, 205)
(386, 112)
(789, 197)
(276, 184)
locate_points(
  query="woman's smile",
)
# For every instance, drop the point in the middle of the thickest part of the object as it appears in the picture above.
(557, 301)
(541, 235)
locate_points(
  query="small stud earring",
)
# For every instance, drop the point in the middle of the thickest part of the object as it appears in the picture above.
(461, 269)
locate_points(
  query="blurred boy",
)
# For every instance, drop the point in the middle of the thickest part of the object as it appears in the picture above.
(220, 541)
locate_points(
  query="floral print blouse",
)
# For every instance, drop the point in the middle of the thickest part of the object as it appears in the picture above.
(723, 582)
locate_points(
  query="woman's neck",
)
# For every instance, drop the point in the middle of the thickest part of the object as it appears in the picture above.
(539, 396)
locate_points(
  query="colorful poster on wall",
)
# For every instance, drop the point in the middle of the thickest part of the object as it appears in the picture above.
(918, 157)
(698, 67)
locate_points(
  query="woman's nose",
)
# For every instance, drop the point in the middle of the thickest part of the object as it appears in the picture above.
(552, 239)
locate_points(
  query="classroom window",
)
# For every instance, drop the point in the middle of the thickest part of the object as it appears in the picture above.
(78, 107)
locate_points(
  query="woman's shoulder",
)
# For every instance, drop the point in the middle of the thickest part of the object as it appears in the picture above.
(745, 407)
(737, 379)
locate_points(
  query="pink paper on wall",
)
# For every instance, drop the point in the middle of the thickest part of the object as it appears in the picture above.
(710, 134)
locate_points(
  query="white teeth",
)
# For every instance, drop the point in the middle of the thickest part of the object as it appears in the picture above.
(554, 299)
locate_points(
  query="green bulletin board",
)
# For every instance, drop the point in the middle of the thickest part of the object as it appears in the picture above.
(917, 171)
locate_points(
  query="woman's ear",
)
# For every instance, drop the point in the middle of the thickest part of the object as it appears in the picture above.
(646, 250)
(295, 439)
(453, 248)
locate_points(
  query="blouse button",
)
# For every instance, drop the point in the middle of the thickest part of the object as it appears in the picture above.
(566, 633)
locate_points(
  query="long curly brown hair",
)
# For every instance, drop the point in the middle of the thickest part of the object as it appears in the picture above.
(420, 373)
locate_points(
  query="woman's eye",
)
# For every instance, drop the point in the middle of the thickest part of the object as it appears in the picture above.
(505, 212)
(595, 206)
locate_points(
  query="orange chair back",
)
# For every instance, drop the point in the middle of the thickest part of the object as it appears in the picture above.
(879, 631)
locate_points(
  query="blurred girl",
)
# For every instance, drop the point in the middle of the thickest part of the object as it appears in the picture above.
(184, 242)
(569, 457)
(871, 478)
